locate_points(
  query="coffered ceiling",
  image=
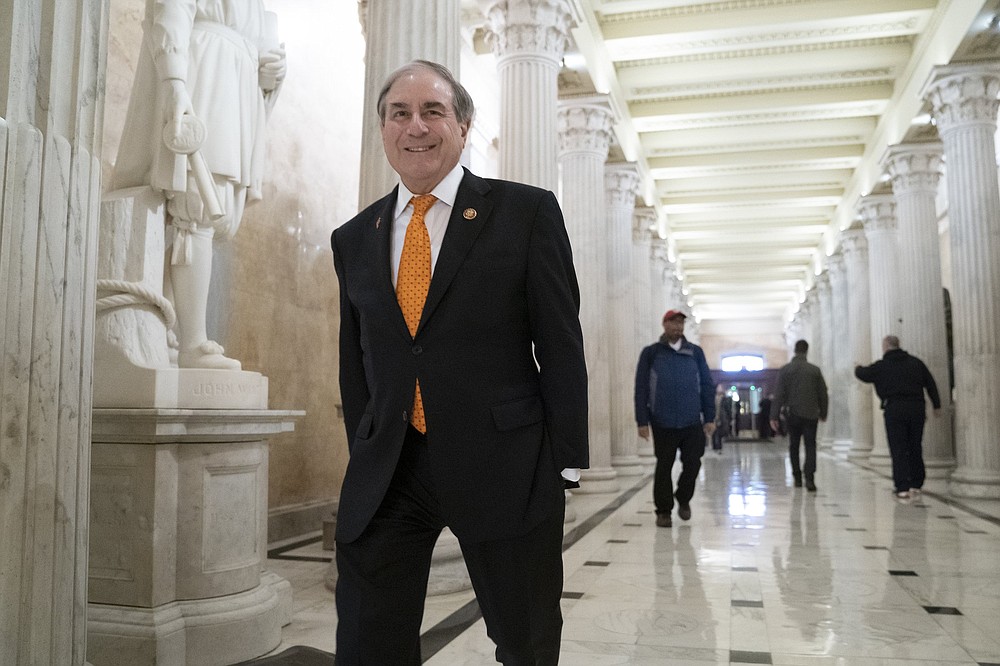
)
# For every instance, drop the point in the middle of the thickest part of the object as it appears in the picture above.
(757, 124)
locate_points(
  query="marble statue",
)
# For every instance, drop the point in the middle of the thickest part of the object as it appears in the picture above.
(205, 82)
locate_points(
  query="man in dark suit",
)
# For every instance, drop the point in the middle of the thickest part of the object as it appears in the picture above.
(464, 408)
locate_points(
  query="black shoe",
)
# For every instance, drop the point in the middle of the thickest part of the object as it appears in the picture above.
(663, 520)
(798, 479)
(684, 511)
(810, 486)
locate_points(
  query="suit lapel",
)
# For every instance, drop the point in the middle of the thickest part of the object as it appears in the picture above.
(471, 211)
(378, 249)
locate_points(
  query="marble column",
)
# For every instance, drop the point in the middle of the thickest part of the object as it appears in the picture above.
(658, 282)
(642, 236)
(964, 103)
(841, 366)
(878, 214)
(621, 184)
(823, 355)
(859, 341)
(528, 38)
(915, 171)
(53, 68)
(643, 220)
(397, 32)
(584, 138)
(811, 330)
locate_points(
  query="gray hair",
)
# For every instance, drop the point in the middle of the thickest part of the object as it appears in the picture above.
(462, 103)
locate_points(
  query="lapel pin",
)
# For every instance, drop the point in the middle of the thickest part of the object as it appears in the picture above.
(469, 213)
(378, 221)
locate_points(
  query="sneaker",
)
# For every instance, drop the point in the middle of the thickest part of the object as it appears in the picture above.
(684, 511)
(663, 520)
(903, 494)
(915, 491)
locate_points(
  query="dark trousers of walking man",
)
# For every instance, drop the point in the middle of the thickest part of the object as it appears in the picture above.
(802, 430)
(904, 428)
(690, 441)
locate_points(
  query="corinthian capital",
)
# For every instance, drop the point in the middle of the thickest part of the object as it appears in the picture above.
(529, 27)
(584, 128)
(963, 94)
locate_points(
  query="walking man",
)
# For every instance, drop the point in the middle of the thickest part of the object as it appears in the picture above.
(900, 381)
(802, 394)
(675, 397)
(464, 388)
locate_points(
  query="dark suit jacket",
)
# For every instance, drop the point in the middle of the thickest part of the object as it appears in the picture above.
(499, 426)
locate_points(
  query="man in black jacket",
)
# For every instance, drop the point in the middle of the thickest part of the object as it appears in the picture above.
(900, 380)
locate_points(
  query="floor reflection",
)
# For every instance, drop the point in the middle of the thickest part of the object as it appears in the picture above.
(762, 573)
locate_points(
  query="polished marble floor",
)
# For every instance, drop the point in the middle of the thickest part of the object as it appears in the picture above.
(763, 573)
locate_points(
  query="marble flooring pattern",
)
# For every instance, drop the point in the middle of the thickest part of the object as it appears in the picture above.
(763, 573)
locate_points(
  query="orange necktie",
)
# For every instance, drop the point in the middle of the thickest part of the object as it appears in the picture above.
(413, 281)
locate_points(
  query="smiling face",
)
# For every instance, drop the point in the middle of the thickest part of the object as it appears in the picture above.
(422, 137)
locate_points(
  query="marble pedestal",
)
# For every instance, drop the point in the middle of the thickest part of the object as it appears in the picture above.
(178, 537)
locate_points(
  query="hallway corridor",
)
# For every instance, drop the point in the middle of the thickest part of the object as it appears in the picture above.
(763, 573)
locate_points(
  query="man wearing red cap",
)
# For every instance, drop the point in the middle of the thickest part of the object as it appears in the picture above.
(675, 398)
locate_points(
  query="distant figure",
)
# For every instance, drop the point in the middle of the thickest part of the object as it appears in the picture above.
(723, 417)
(674, 395)
(900, 381)
(206, 79)
(802, 394)
(736, 408)
(764, 419)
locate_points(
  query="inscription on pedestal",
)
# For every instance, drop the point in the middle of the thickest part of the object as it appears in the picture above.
(220, 389)
(226, 389)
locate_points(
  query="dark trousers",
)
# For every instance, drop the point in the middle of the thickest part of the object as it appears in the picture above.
(804, 431)
(382, 578)
(667, 442)
(904, 428)
(717, 439)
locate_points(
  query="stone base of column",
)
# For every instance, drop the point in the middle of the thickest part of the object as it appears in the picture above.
(647, 455)
(880, 460)
(448, 572)
(938, 468)
(859, 454)
(203, 632)
(570, 516)
(628, 465)
(975, 483)
(597, 480)
(842, 446)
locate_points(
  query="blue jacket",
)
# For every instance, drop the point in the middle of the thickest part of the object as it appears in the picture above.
(673, 389)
